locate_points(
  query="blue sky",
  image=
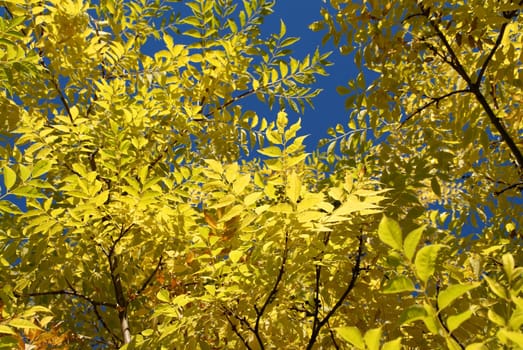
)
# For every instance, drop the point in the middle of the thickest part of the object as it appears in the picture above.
(329, 107)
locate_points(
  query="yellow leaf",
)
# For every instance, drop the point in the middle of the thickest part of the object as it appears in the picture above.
(6, 330)
(240, 183)
(9, 178)
(23, 324)
(293, 187)
(235, 255)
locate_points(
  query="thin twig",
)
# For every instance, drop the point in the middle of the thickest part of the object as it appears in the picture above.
(434, 100)
(454, 62)
(491, 54)
(229, 102)
(149, 279)
(474, 87)
(123, 232)
(272, 293)
(355, 273)
(333, 338)
(518, 185)
(68, 292)
(236, 330)
(116, 339)
(440, 318)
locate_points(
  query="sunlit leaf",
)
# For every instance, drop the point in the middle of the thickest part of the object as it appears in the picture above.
(453, 292)
(390, 233)
(9, 177)
(399, 284)
(351, 335)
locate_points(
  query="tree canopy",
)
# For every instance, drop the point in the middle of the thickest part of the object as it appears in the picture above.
(145, 203)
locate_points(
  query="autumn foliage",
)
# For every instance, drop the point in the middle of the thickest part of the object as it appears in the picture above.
(146, 204)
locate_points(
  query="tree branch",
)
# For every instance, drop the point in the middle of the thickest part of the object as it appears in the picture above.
(491, 54)
(499, 127)
(317, 282)
(236, 330)
(518, 185)
(454, 61)
(123, 232)
(443, 324)
(475, 87)
(149, 279)
(355, 273)
(116, 339)
(434, 100)
(121, 301)
(68, 292)
(331, 332)
(95, 304)
(272, 293)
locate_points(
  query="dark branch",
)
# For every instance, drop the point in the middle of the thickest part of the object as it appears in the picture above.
(229, 102)
(434, 100)
(123, 232)
(355, 273)
(474, 87)
(333, 338)
(68, 292)
(491, 54)
(160, 156)
(499, 127)
(518, 185)
(60, 94)
(236, 330)
(454, 61)
(149, 279)
(317, 283)
(441, 321)
(116, 339)
(272, 293)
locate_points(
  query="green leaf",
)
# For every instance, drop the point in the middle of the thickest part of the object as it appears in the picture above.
(41, 167)
(389, 232)
(392, 345)
(9, 178)
(495, 318)
(235, 255)
(163, 295)
(271, 151)
(411, 242)
(514, 337)
(413, 313)
(293, 187)
(496, 288)
(351, 335)
(147, 332)
(453, 292)
(399, 284)
(475, 346)
(182, 300)
(372, 338)
(434, 184)
(425, 261)
(23, 324)
(454, 321)
(508, 264)
(283, 29)
(6, 330)
(451, 344)
(240, 183)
